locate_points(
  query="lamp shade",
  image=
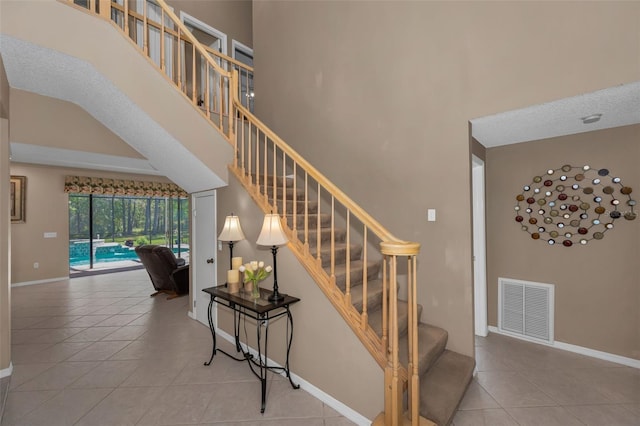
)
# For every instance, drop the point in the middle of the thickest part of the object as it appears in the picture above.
(271, 233)
(231, 231)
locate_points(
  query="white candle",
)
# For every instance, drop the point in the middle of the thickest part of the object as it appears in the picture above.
(233, 276)
(236, 262)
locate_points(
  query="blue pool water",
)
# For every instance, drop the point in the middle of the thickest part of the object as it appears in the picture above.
(107, 253)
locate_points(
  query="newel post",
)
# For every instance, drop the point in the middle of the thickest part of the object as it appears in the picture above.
(393, 375)
(233, 92)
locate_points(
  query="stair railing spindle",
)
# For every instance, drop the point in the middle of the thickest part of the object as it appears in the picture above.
(273, 178)
(318, 231)
(193, 75)
(257, 159)
(284, 186)
(332, 251)
(348, 259)
(306, 212)
(207, 92)
(295, 202)
(365, 314)
(163, 66)
(145, 29)
(414, 386)
(266, 164)
(249, 154)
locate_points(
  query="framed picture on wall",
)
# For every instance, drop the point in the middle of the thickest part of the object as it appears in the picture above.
(18, 197)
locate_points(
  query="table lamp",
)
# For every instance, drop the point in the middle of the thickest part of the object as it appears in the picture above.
(273, 235)
(231, 232)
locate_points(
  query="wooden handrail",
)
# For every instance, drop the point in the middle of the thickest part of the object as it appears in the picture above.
(365, 217)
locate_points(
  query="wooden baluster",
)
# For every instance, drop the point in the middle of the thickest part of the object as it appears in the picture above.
(181, 84)
(163, 66)
(332, 251)
(126, 18)
(206, 92)
(348, 260)
(295, 202)
(249, 155)
(105, 8)
(221, 106)
(306, 212)
(365, 314)
(145, 29)
(233, 78)
(274, 183)
(414, 387)
(266, 164)
(257, 159)
(385, 306)
(193, 75)
(318, 231)
(284, 186)
(242, 120)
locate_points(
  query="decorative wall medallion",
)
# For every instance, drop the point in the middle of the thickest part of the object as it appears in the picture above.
(573, 205)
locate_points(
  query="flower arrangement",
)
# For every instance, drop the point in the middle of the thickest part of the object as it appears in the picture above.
(255, 272)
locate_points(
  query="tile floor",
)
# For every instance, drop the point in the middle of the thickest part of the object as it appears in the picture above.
(522, 383)
(97, 350)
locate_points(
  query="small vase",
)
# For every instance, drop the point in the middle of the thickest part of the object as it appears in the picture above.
(255, 290)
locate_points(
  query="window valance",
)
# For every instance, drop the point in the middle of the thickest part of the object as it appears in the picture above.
(123, 187)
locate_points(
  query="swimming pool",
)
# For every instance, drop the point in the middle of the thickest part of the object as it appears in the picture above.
(110, 253)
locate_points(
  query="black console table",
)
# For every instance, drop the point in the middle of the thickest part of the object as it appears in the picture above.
(263, 312)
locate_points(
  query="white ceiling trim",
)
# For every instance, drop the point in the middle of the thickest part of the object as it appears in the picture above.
(619, 106)
(45, 155)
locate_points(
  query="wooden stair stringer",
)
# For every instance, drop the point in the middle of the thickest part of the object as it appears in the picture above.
(366, 335)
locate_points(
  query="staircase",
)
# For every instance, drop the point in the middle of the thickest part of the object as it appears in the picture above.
(354, 260)
(443, 374)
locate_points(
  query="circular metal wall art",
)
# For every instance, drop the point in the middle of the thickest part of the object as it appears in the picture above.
(573, 205)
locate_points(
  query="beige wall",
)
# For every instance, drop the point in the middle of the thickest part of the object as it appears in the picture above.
(5, 245)
(325, 352)
(4, 92)
(54, 119)
(5, 227)
(378, 95)
(232, 17)
(597, 286)
(47, 211)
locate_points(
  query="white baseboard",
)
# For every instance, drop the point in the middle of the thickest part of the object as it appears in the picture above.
(48, 280)
(346, 411)
(6, 372)
(191, 315)
(629, 362)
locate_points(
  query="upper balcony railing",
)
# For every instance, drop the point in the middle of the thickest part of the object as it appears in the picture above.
(200, 72)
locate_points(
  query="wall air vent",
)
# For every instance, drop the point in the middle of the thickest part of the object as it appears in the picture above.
(525, 309)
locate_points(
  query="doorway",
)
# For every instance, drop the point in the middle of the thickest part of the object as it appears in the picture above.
(244, 54)
(479, 247)
(203, 253)
(213, 39)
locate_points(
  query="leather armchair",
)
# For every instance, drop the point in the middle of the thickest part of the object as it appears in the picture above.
(168, 274)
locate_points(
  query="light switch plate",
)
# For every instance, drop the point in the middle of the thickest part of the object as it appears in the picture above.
(50, 234)
(431, 215)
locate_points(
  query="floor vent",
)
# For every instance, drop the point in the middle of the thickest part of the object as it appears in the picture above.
(526, 309)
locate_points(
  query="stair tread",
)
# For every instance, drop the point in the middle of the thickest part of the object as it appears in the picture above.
(375, 319)
(355, 272)
(374, 296)
(432, 341)
(443, 386)
(340, 248)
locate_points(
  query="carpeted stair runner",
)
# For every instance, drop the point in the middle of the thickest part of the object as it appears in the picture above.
(444, 375)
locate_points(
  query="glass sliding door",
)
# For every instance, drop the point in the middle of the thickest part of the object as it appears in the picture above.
(105, 229)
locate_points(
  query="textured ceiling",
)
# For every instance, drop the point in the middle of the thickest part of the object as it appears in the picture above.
(619, 106)
(49, 73)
